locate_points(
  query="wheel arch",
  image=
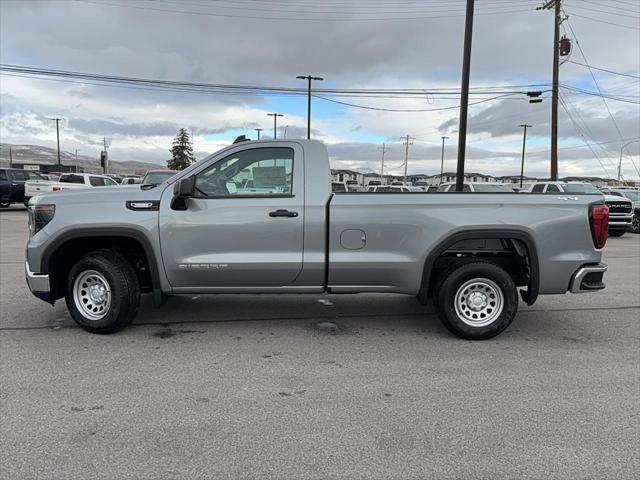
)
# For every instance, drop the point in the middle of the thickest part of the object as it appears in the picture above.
(533, 286)
(83, 240)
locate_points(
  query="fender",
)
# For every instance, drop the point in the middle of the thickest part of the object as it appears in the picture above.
(529, 296)
(109, 232)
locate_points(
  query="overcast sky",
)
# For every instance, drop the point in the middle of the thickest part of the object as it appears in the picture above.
(352, 44)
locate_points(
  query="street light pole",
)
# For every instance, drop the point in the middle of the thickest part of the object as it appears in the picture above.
(258, 130)
(442, 159)
(308, 78)
(524, 141)
(275, 122)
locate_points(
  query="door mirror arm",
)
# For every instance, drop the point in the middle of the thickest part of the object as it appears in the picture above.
(182, 191)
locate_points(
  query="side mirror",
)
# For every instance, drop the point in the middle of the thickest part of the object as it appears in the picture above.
(182, 190)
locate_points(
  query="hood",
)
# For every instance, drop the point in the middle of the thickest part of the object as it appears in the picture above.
(615, 198)
(93, 195)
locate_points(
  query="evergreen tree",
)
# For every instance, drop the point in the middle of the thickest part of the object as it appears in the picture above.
(181, 152)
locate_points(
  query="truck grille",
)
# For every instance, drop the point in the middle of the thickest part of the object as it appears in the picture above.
(619, 207)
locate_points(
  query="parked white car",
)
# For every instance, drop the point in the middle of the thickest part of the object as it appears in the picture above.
(478, 187)
(67, 181)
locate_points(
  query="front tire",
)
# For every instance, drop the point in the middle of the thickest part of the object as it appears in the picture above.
(635, 224)
(103, 292)
(477, 300)
(617, 233)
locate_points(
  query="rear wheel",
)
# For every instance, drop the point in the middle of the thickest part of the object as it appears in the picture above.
(617, 233)
(103, 293)
(477, 300)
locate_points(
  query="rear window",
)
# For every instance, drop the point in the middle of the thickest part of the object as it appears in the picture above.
(538, 188)
(72, 179)
(579, 188)
(24, 175)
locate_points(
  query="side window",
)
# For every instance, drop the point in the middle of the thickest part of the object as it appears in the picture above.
(538, 188)
(466, 188)
(3, 175)
(254, 172)
(19, 176)
(551, 188)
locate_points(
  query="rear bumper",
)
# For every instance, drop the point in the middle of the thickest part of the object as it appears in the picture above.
(588, 278)
(38, 283)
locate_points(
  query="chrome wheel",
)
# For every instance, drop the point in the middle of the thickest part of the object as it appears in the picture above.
(479, 302)
(92, 295)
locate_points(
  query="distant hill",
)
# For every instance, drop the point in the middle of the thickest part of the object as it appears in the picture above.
(39, 155)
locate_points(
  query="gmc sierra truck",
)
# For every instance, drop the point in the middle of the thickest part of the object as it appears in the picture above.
(260, 217)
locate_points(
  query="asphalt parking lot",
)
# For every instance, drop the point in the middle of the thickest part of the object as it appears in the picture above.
(250, 387)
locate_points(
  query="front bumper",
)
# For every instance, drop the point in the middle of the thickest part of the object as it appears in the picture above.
(38, 283)
(620, 222)
(588, 278)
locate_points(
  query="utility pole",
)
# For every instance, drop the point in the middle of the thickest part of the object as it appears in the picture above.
(408, 140)
(556, 4)
(58, 137)
(106, 157)
(258, 130)
(308, 78)
(193, 145)
(524, 142)
(11, 159)
(384, 149)
(464, 95)
(275, 122)
(442, 159)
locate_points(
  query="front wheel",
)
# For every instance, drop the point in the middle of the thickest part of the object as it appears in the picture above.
(635, 224)
(617, 233)
(103, 293)
(477, 300)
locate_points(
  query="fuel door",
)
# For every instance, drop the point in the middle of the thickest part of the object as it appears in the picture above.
(353, 239)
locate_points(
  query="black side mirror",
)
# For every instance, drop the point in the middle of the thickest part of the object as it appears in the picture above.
(182, 190)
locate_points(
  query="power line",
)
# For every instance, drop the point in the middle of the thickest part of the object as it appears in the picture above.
(314, 19)
(603, 69)
(584, 57)
(573, 14)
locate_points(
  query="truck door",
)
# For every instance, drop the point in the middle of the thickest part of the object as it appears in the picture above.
(243, 226)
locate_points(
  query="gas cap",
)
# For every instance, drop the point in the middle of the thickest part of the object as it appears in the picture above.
(353, 239)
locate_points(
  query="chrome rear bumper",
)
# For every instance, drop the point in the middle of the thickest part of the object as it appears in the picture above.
(588, 278)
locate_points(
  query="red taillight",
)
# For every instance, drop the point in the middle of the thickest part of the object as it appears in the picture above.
(56, 189)
(599, 218)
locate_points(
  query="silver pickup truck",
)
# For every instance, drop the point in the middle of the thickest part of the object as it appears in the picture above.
(260, 217)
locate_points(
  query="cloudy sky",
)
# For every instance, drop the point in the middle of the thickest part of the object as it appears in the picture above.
(367, 44)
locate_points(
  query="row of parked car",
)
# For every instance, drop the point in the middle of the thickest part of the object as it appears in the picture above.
(623, 202)
(18, 186)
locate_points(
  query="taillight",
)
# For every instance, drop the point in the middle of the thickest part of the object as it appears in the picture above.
(56, 188)
(599, 219)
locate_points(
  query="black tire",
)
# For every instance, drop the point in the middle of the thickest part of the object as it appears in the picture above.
(617, 233)
(635, 224)
(4, 204)
(123, 287)
(492, 285)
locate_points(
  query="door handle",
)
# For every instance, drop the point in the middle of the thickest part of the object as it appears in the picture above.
(283, 213)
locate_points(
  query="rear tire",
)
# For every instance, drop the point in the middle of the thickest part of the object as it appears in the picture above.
(103, 292)
(477, 300)
(617, 233)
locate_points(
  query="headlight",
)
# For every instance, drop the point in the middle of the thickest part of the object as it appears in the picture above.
(39, 216)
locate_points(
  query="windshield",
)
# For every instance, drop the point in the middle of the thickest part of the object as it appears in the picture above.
(579, 188)
(631, 195)
(156, 178)
(478, 187)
